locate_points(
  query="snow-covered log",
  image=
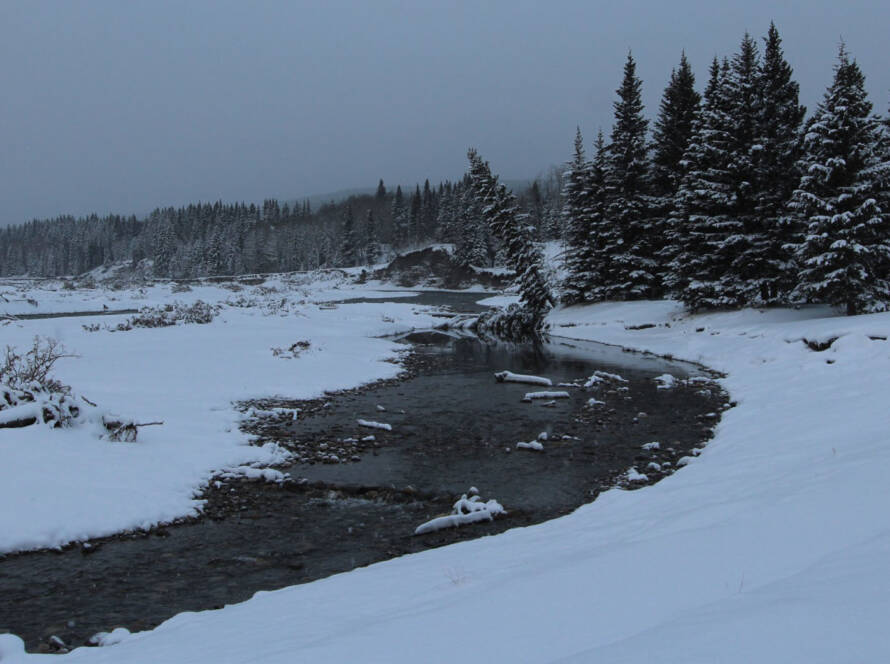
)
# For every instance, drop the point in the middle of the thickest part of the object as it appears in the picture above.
(529, 396)
(375, 425)
(533, 445)
(510, 377)
(124, 431)
(466, 510)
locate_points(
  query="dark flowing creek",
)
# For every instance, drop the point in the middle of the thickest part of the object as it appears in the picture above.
(453, 427)
(76, 314)
(458, 301)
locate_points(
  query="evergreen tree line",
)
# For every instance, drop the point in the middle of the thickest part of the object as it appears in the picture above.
(207, 239)
(734, 200)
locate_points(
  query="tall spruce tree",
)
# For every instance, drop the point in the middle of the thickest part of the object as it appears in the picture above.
(400, 219)
(768, 266)
(415, 222)
(428, 211)
(633, 246)
(673, 129)
(846, 249)
(740, 250)
(349, 240)
(600, 228)
(372, 241)
(471, 243)
(680, 104)
(701, 221)
(502, 214)
(579, 258)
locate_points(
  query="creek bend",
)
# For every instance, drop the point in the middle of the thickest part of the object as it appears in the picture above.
(453, 427)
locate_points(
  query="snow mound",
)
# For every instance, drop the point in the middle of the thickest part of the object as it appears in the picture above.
(12, 648)
(633, 475)
(115, 636)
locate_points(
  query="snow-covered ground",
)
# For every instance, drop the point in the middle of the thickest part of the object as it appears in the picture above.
(64, 485)
(23, 297)
(772, 546)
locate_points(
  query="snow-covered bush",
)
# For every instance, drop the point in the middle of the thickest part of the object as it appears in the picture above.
(28, 393)
(166, 315)
(24, 370)
(36, 405)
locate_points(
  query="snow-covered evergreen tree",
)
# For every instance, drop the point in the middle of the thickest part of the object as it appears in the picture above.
(577, 209)
(429, 209)
(740, 251)
(846, 249)
(523, 255)
(415, 217)
(680, 104)
(673, 129)
(716, 234)
(471, 241)
(600, 227)
(372, 241)
(767, 266)
(701, 220)
(164, 250)
(884, 184)
(634, 272)
(401, 220)
(349, 247)
(446, 217)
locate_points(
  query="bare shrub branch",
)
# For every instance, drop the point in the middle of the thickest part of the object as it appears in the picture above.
(20, 371)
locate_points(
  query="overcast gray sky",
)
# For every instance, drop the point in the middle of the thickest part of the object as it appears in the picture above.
(113, 106)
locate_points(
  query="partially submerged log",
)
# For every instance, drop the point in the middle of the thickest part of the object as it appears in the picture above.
(510, 377)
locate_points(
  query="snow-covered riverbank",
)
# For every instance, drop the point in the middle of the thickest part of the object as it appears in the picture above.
(66, 485)
(770, 546)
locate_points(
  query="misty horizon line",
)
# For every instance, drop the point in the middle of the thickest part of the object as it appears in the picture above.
(314, 200)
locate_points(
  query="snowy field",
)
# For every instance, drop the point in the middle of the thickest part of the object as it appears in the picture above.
(58, 486)
(772, 546)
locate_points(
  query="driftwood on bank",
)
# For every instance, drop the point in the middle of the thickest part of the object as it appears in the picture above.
(121, 431)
